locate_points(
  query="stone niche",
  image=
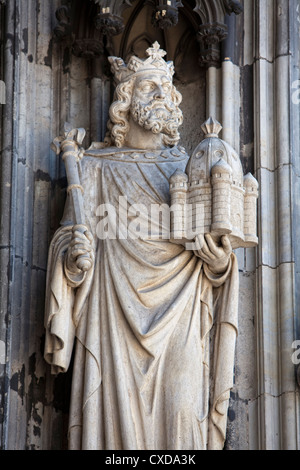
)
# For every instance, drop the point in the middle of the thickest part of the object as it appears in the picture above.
(213, 196)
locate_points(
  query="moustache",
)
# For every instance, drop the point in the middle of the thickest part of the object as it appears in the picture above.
(164, 105)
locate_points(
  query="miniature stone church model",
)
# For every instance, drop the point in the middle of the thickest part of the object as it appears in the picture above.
(213, 196)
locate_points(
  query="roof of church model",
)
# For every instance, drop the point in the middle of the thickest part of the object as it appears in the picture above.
(221, 167)
(178, 177)
(250, 181)
(210, 150)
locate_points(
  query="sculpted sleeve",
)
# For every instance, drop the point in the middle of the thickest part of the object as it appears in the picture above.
(225, 340)
(59, 325)
(65, 299)
(225, 313)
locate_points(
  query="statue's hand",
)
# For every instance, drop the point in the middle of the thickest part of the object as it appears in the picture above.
(80, 254)
(217, 257)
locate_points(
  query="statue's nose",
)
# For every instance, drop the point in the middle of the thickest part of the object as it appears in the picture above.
(159, 93)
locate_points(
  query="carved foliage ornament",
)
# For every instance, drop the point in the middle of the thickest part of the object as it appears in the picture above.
(209, 37)
(165, 13)
(214, 11)
(213, 29)
(64, 27)
(88, 48)
(232, 6)
(109, 20)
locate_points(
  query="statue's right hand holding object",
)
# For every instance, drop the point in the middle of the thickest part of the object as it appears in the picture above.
(80, 254)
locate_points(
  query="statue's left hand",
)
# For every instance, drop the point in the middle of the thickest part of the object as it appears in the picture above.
(215, 255)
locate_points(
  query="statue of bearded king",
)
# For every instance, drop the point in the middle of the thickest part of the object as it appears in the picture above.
(153, 323)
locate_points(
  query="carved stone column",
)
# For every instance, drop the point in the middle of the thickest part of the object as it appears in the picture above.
(231, 87)
(218, 28)
(277, 402)
(29, 186)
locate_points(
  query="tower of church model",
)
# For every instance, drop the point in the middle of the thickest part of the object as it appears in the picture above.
(213, 196)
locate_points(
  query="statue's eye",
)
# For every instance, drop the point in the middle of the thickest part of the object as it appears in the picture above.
(147, 87)
(166, 87)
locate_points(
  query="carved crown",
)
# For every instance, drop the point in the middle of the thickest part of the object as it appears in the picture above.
(135, 66)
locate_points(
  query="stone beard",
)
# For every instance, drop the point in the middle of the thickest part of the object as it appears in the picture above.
(154, 324)
(158, 117)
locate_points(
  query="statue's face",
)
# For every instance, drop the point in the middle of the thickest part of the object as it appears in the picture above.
(149, 88)
(152, 106)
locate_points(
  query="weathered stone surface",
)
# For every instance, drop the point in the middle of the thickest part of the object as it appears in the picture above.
(256, 97)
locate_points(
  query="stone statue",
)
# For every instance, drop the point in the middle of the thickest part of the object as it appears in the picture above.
(154, 323)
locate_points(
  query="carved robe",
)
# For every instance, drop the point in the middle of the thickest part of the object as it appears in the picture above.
(154, 328)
